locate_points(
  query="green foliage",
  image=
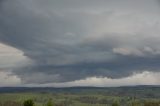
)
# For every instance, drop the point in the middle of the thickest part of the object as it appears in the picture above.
(115, 104)
(50, 103)
(28, 103)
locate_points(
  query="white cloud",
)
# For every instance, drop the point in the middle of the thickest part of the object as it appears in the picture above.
(7, 79)
(11, 57)
(144, 78)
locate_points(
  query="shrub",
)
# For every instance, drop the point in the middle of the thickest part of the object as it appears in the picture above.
(28, 103)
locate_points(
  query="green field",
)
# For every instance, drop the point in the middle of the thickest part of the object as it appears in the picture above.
(85, 97)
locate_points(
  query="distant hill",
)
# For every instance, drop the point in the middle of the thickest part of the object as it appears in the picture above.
(138, 91)
(76, 89)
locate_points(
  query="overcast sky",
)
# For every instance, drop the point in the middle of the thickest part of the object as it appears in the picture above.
(79, 42)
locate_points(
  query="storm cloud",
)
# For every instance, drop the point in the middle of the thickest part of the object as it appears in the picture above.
(68, 40)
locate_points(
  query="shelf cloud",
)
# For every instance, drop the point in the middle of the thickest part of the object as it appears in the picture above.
(69, 40)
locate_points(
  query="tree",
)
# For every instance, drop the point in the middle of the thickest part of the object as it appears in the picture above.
(28, 103)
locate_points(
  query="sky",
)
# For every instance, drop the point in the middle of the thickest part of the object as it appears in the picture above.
(64, 43)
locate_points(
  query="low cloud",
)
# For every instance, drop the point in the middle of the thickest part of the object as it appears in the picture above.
(7, 79)
(144, 78)
(127, 51)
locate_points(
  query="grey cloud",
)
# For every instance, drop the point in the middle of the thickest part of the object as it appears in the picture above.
(69, 40)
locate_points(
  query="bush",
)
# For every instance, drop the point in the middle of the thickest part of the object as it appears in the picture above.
(28, 103)
(115, 104)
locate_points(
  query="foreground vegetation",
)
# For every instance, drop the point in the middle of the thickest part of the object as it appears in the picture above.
(63, 99)
(83, 97)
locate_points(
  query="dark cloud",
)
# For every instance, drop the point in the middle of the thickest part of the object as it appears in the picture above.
(69, 40)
